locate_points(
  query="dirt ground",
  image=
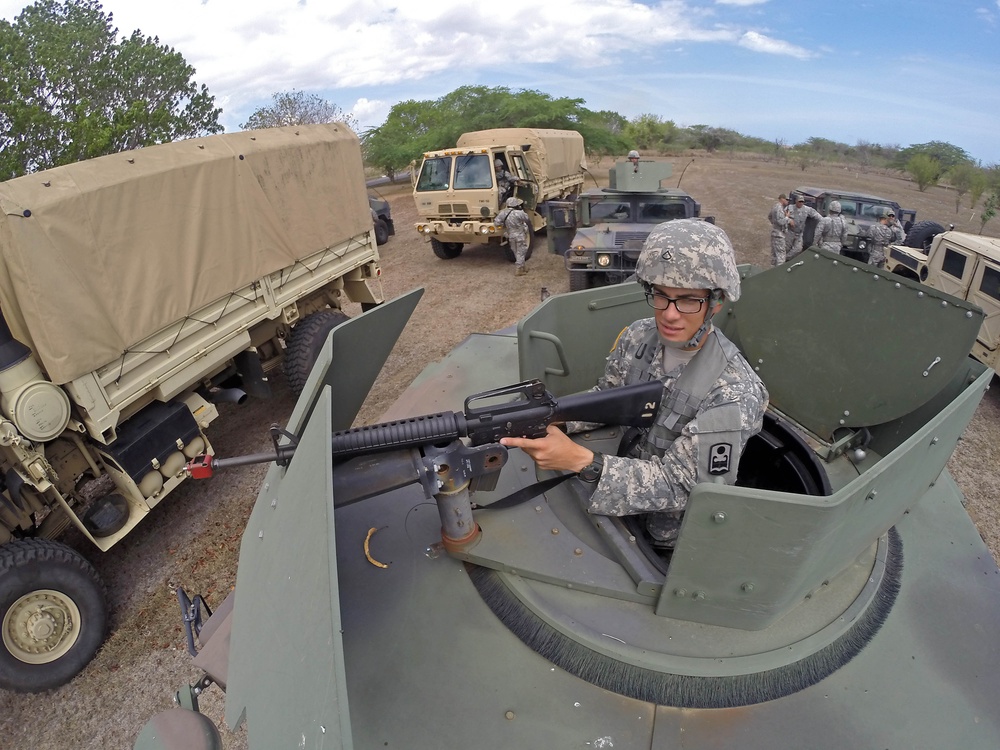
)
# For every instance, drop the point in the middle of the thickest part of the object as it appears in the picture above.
(194, 540)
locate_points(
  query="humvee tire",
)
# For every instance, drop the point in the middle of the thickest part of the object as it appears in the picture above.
(381, 232)
(922, 234)
(53, 613)
(579, 280)
(446, 250)
(305, 343)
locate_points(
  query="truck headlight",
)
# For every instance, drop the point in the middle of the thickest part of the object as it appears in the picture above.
(604, 261)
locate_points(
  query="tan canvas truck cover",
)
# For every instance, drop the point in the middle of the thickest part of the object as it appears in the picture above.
(552, 153)
(97, 256)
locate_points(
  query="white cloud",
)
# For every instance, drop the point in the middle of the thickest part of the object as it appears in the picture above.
(761, 43)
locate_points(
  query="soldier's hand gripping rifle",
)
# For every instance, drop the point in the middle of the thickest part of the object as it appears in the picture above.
(430, 449)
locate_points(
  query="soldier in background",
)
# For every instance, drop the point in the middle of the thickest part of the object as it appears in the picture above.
(800, 213)
(713, 401)
(633, 156)
(831, 233)
(898, 235)
(880, 235)
(517, 226)
(505, 181)
(780, 223)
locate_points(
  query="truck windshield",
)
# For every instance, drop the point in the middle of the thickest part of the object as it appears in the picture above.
(472, 172)
(435, 174)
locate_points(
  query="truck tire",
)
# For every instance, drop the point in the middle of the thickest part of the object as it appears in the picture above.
(305, 344)
(381, 232)
(579, 280)
(509, 254)
(446, 250)
(53, 614)
(921, 234)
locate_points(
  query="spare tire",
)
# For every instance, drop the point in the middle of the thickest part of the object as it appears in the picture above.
(921, 234)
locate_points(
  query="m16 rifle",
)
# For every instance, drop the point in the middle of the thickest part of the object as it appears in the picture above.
(429, 449)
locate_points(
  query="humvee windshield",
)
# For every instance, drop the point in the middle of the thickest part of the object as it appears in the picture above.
(619, 209)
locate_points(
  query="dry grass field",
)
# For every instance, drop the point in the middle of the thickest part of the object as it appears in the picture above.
(194, 540)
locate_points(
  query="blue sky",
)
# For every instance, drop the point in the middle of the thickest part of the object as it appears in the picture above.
(884, 72)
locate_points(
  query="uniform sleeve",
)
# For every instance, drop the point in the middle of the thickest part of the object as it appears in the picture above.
(615, 368)
(630, 485)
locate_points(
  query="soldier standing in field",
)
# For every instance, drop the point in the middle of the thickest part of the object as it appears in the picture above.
(898, 235)
(832, 230)
(517, 225)
(800, 213)
(713, 401)
(880, 235)
(780, 223)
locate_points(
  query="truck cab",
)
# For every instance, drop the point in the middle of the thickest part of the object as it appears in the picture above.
(966, 266)
(601, 233)
(457, 191)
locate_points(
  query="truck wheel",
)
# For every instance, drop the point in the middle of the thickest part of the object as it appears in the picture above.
(921, 234)
(381, 232)
(446, 250)
(509, 254)
(53, 614)
(579, 280)
(305, 344)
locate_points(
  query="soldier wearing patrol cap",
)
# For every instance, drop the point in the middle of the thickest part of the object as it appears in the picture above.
(781, 224)
(799, 214)
(880, 235)
(713, 401)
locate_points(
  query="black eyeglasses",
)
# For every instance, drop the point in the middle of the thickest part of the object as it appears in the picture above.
(684, 305)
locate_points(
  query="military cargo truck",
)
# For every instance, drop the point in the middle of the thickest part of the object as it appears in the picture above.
(600, 234)
(136, 291)
(967, 266)
(457, 192)
(837, 596)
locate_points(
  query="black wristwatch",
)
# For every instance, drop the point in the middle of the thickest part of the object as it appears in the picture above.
(592, 471)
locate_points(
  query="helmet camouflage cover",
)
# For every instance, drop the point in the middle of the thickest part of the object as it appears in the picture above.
(633, 154)
(513, 202)
(689, 254)
(835, 207)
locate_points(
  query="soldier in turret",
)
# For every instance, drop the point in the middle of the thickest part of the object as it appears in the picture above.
(713, 401)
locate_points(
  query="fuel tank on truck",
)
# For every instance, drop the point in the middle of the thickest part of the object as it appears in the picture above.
(838, 596)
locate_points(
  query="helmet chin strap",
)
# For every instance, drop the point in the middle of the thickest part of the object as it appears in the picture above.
(699, 336)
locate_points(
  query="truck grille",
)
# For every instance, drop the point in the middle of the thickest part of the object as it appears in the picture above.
(453, 209)
(630, 240)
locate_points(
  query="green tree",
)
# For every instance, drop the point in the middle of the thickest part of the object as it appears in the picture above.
(943, 153)
(924, 169)
(650, 132)
(977, 188)
(989, 209)
(297, 108)
(961, 177)
(72, 89)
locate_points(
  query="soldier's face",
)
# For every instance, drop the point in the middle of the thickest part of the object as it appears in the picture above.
(680, 327)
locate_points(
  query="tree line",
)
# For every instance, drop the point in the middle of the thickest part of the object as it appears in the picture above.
(72, 88)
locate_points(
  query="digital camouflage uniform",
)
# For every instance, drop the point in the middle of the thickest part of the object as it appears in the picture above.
(505, 181)
(779, 228)
(517, 226)
(712, 404)
(898, 235)
(832, 233)
(880, 236)
(793, 241)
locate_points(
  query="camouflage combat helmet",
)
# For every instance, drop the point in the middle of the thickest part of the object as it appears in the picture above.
(498, 163)
(513, 202)
(835, 207)
(633, 154)
(689, 254)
